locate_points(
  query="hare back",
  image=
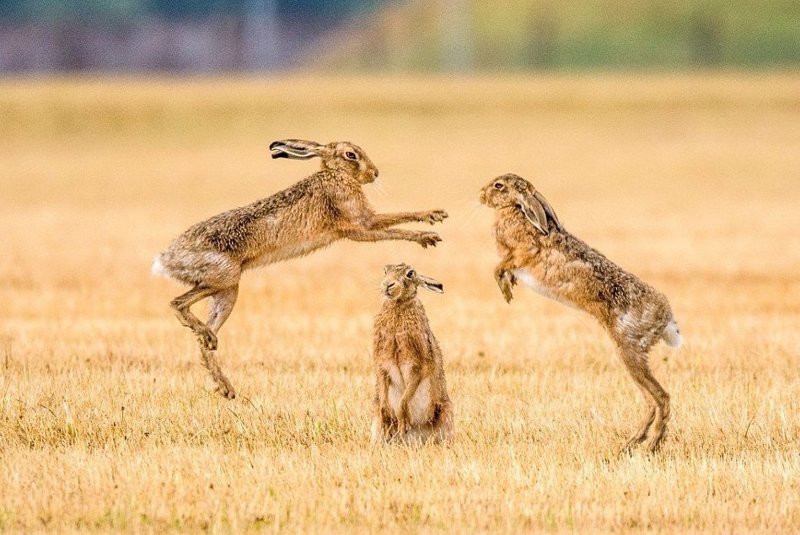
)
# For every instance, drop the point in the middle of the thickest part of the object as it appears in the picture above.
(291, 215)
(567, 270)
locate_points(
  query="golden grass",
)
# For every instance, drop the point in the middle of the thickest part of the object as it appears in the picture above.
(107, 419)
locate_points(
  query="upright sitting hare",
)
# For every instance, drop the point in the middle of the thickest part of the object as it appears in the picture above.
(327, 206)
(411, 402)
(537, 250)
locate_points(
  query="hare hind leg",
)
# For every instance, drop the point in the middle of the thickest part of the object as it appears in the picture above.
(222, 304)
(437, 431)
(636, 362)
(383, 430)
(181, 306)
(384, 423)
(647, 422)
(662, 416)
(376, 431)
(443, 427)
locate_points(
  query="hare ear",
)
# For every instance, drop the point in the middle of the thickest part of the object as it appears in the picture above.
(533, 211)
(297, 149)
(548, 209)
(430, 284)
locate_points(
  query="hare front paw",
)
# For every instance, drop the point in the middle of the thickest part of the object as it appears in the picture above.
(505, 281)
(427, 238)
(434, 216)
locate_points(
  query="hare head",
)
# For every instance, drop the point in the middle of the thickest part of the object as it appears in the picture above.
(400, 282)
(511, 190)
(341, 156)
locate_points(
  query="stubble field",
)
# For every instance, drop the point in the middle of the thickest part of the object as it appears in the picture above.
(108, 420)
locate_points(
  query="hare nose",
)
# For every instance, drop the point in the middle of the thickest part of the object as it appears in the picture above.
(376, 172)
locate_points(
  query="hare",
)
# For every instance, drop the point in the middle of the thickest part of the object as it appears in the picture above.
(536, 250)
(411, 402)
(325, 207)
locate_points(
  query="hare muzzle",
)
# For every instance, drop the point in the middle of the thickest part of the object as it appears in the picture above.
(389, 290)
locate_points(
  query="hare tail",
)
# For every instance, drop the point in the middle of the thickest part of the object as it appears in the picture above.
(672, 334)
(158, 267)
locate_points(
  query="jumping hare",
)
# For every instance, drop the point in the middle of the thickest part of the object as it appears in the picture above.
(411, 402)
(325, 207)
(537, 251)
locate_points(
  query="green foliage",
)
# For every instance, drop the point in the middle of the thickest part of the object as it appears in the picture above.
(617, 33)
(551, 34)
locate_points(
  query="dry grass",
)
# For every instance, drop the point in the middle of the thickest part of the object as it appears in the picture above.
(107, 421)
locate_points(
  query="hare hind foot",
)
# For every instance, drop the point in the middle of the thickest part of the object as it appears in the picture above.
(226, 390)
(641, 433)
(660, 428)
(224, 387)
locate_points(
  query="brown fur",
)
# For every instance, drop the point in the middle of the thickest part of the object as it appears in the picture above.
(329, 205)
(536, 249)
(411, 402)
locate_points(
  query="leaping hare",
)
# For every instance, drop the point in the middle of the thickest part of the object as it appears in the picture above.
(325, 207)
(536, 250)
(411, 402)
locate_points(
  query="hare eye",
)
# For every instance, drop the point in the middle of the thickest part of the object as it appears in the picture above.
(410, 274)
(498, 185)
(351, 155)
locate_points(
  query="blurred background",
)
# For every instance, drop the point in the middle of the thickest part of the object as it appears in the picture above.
(222, 36)
(666, 133)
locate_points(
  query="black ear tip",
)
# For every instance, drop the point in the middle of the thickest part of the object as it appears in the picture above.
(276, 148)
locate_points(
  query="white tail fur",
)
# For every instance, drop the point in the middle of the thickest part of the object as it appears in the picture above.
(672, 335)
(158, 268)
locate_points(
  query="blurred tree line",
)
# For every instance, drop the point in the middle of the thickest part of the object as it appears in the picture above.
(165, 35)
(400, 35)
(130, 10)
(519, 35)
